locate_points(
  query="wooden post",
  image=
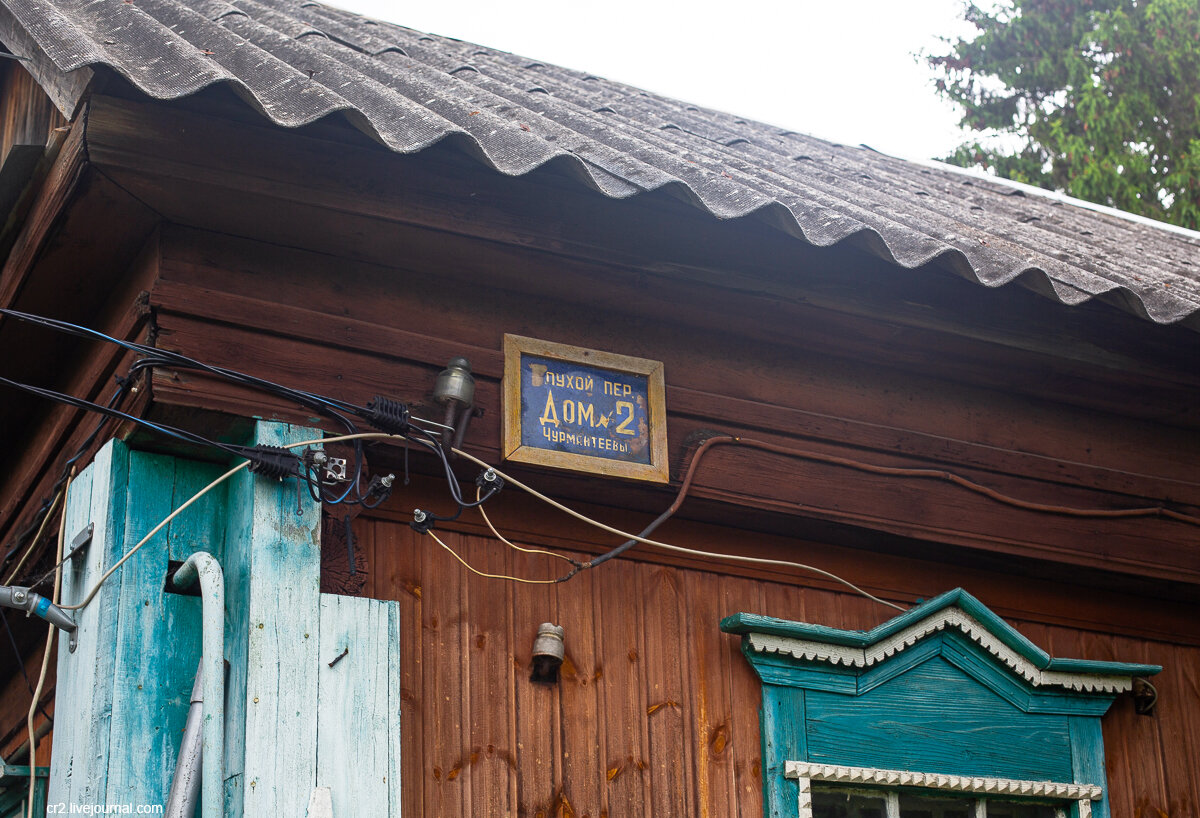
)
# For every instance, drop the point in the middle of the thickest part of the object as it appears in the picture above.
(272, 575)
(123, 694)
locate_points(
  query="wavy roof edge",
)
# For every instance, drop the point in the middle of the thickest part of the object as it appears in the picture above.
(300, 62)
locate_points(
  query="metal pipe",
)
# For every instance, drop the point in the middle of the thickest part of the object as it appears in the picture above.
(204, 567)
(185, 783)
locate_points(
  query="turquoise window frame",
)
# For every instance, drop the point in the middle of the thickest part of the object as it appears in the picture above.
(946, 689)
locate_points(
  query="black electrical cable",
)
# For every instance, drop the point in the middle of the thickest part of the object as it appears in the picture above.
(265, 460)
(452, 481)
(710, 439)
(164, 358)
(124, 384)
(383, 413)
(80, 403)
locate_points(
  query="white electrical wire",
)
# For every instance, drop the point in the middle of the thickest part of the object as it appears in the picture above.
(508, 478)
(467, 565)
(33, 543)
(676, 548)
(512, 545)
(96, 588)
(50, 629)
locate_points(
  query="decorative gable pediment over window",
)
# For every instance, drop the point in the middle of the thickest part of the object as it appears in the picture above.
(947, 700)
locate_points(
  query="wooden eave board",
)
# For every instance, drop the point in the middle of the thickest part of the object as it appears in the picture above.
(252, 170)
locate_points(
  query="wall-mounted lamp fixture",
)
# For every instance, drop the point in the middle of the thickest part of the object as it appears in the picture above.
(548, 653)
(455, 389)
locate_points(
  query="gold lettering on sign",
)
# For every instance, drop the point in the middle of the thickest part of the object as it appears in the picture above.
(549, 415)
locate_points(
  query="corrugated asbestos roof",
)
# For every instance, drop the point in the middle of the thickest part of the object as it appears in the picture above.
(300, 62)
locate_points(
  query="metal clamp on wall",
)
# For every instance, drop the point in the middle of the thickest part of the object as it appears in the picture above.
(23, 599)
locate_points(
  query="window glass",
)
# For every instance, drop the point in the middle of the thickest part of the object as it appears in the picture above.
(848, 804)
(841, 802)
(919, 806)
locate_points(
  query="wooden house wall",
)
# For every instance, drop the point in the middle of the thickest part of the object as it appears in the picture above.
(656, 712)
(336, 326)
(366, 273)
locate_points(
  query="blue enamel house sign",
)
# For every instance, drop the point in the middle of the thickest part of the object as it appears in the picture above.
(583, 409)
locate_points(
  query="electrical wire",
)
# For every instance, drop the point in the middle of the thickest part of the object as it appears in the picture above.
(958, 480)
(154, 357)
(454, 554)
(33, 544)
(164, 358)
(963, 482)
(50, 631)
(87, 405)
(684, 486)
(124, 386)
(516, 547)
(452, 481)
(676, 548)
(385, 412)
(158, 357)
(369, 499)
(128, 554)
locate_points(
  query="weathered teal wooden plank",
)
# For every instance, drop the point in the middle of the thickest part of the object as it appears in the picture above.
(202, 526)
(272, 557)
(784, 739)
(354, 712)
(157, 638)
(72, 691)
(84, 694)
(395, 702)
(980, 665)
(1087, 759)
(239, 530)
(784, 670)
(937, 719)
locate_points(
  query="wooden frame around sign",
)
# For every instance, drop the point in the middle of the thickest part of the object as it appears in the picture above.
(655, 471)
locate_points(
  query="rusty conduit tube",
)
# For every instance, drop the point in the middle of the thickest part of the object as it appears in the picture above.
(679, 498)
(204, 567)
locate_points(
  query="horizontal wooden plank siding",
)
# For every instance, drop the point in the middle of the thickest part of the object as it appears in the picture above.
(656, 712)
(356, 330)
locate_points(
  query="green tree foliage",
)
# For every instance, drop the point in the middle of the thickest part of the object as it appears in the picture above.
(1103, 97)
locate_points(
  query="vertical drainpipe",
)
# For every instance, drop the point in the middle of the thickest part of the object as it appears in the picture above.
(204, 566)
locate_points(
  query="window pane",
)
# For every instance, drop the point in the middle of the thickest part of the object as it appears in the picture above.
(997, 809)
(916, 806)
(834, 804)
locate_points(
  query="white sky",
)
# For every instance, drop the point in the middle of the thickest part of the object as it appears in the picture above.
(842, 71)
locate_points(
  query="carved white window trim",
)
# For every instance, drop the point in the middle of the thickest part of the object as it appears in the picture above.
(863, 657)
(805, 774)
